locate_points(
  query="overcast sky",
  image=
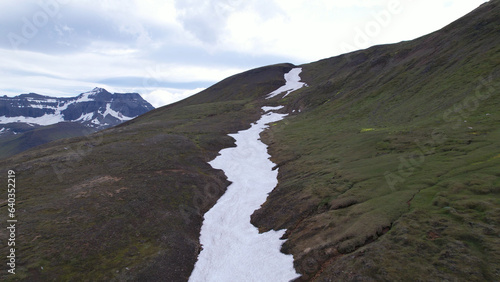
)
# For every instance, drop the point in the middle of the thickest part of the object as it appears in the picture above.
(168, 49)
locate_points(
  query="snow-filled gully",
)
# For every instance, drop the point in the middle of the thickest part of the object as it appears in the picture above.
(233, 249)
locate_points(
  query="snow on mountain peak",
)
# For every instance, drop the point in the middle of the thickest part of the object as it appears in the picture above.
(96, 108)
(98, 90)
(86, 96)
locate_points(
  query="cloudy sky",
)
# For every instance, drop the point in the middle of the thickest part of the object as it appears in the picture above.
(169, 49)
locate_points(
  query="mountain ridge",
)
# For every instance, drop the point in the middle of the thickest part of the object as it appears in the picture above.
(97, 108)
(29, 120)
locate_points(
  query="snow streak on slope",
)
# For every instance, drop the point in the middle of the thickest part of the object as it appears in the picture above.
(293, 83)
(233, 249)
(46, 119)
(115, 114)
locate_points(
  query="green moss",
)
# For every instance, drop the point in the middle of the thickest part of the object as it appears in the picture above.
(382, 145)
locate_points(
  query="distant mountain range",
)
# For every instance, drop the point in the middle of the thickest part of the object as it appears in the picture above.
(63, 117)
(97, 108)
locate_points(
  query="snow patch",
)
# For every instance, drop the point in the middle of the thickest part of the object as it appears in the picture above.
(46, 119)
(85, 117)
(293, 83)
(39, 106)
(114, 113)
(233, 249)
(267, 108)
(87, 96)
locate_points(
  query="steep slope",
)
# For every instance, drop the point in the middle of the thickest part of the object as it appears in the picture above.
(127, 202)
(391, 170)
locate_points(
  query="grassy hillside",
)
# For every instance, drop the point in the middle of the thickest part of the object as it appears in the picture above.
(391, 170)
(127, 203)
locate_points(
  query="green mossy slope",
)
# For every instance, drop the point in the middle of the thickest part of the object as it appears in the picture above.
(391, 169)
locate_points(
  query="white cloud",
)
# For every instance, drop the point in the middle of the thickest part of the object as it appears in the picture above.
(162, 97)
(161, 42)
(205, 19)
(312, 30)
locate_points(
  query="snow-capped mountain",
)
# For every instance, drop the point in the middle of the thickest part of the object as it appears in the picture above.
(30, 120)
(97, 109)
